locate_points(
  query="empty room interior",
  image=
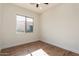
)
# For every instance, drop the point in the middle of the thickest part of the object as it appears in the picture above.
(39, 29)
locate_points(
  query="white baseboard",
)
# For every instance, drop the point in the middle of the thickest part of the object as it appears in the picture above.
(60, 46)
(19, 44)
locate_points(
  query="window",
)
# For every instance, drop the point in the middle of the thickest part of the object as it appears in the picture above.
(24, 24)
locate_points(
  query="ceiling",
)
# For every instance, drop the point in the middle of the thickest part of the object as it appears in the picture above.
(31, 6)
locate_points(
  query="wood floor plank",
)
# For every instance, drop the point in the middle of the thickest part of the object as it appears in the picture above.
(23, 50)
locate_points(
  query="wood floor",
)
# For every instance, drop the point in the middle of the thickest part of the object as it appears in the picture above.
(25, 49)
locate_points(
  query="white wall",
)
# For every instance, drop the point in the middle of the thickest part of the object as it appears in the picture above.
(60, 26)
(10, 37)
(0, 25)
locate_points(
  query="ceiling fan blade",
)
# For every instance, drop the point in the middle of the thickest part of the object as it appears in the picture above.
(37, 5)
(46, 3)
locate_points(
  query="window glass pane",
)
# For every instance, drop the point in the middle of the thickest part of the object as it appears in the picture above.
(20, 23)
(29, 25)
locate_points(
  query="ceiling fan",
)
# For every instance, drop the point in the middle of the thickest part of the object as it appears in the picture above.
(37, 4)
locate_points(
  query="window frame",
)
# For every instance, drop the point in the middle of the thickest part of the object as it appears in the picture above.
(26, 23)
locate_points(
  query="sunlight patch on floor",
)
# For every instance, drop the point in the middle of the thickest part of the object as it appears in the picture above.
(39, 52)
